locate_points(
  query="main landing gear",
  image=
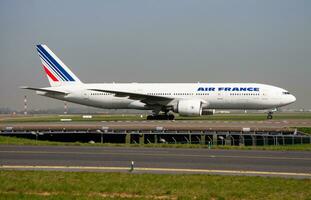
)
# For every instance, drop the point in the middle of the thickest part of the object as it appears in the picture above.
(161, 117)
(269, 116)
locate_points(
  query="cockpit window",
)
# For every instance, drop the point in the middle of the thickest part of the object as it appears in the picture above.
(286, 93)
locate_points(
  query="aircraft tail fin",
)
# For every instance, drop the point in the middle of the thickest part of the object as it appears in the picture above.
(57, 72)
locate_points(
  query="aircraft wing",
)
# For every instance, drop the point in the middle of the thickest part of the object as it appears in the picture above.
(43, 90)
(148, 99)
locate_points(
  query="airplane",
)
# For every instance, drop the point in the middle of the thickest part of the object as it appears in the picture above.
(164, 99)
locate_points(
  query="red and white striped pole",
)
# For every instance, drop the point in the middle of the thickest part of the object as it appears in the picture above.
(25, 105)
(65, 108)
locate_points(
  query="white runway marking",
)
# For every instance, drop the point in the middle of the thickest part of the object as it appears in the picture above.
(240, 172)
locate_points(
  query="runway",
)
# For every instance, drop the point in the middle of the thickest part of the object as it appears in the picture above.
(294, 164)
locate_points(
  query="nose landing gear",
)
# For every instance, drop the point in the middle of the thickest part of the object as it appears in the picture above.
(269, 116)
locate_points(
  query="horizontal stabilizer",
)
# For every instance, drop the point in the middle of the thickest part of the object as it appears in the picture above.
(43, 90)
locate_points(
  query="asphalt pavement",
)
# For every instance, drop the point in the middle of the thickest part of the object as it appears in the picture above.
(296, 164)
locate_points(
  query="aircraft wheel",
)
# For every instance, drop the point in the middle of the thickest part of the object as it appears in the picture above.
(150, 117)
(171, 117)
(269, 117)
(160, 117)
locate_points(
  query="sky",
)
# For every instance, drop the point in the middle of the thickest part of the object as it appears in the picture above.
(262, 41)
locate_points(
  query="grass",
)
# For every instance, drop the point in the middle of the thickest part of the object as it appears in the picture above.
(306, 130)
(249, 117)
(91, 185)
(22, 141)
(78, 118)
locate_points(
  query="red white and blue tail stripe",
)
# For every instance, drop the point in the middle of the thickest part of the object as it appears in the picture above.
(57, 72)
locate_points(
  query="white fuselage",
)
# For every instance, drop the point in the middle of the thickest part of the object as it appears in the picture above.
(215, 95)
(187, 99)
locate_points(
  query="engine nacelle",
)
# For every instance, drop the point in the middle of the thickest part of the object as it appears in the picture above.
(189, 107)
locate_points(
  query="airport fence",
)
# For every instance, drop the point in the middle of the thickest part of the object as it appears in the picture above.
(207, 137)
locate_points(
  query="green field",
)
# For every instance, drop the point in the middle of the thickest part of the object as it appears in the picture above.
(78, 118)
(91, 185)
(306, 130)
(22, 141)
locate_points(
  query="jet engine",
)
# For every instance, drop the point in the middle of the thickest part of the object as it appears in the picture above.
(189, 107)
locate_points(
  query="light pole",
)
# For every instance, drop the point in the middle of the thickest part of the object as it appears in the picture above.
(105, 129)
(36, 134)
(222, 139)
(101, 135)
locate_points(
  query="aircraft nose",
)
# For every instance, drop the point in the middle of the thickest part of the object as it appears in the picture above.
(293, 98)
